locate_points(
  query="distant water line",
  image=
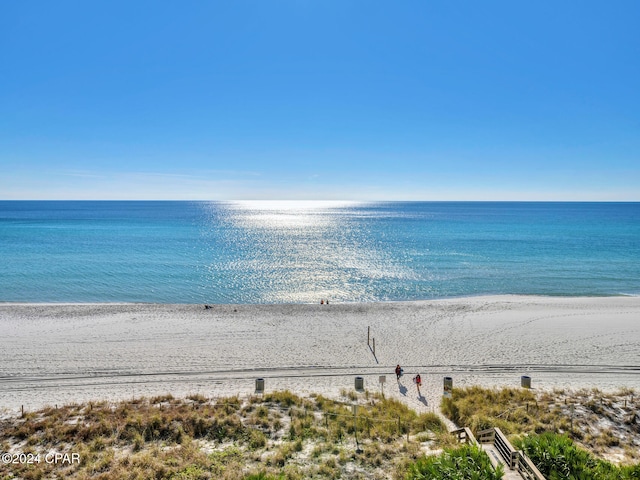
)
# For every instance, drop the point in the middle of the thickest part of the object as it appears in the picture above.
(299, 252)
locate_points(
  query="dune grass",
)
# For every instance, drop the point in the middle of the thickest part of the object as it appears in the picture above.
(283, 436)
(605, 424)
(278, 435)
(527, 411)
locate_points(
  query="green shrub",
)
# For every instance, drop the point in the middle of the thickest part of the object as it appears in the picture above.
(263, 476)
(465, 463)
(557, 457)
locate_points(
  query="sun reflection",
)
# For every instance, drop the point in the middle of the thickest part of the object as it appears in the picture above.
(288, 205)
(301, 251)
(288, 214)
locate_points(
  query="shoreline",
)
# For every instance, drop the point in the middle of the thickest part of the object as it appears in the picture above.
(377, 302)
(61, 353)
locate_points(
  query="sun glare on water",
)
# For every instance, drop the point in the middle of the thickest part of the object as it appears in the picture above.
(289, 214)
(301, 251)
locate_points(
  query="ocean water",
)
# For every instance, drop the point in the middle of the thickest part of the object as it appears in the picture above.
(298, 252)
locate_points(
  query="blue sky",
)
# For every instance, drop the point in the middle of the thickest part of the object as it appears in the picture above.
(349, 100)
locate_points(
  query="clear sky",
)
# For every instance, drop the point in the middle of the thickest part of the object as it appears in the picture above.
(322, 99)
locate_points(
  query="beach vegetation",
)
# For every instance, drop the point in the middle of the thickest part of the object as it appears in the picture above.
(158, 399)
(602, 423)
(281, 435)
(558, 457)
(283, 398)
(263, 476)
(278, 435)
(468, 462)
(198, 398)
(480, 408)
(257, 439)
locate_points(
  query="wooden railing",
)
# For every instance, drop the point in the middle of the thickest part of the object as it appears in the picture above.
(515, 459)
(464, 435)
(487, 436)
(526, 468)
(505, 448)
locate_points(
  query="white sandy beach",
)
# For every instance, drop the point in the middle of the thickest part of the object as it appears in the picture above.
(57, 354)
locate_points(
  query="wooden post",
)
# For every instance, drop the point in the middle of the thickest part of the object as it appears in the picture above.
(22, 409)
(368, 335)
(355, 427)
(571, 418)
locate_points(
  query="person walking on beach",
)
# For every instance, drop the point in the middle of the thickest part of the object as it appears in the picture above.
(398, 372)
(418, 381)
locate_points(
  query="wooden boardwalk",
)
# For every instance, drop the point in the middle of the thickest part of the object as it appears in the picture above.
(496, 459)
(515, 463)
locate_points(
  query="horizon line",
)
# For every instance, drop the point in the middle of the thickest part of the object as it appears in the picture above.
(301, 200)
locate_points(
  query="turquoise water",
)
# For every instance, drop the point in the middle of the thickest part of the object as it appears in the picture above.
(281, 252)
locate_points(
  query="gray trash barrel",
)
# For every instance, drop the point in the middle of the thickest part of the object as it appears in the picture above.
(259, 385)
(525, 381)
(359, 384)
(448, 386)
